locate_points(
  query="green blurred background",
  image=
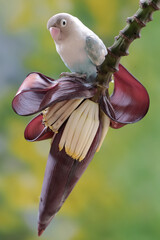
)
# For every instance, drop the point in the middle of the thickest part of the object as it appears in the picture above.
(118, 197)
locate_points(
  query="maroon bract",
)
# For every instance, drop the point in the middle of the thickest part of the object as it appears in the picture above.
(76, 124)
(129, 102)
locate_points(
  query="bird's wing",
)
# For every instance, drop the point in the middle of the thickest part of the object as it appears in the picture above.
(96, 50)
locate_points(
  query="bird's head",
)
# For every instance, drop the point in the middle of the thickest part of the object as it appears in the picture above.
(61, 25)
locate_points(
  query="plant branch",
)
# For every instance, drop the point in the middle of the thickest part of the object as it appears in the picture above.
(124, 39)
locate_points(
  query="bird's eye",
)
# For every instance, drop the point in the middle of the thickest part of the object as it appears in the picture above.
(63, 22)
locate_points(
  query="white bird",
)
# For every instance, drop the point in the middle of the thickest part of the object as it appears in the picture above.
(80, 49)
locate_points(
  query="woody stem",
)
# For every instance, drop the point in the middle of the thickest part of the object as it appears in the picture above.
(124, 39)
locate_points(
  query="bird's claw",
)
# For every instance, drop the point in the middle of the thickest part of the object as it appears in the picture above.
(73, 74)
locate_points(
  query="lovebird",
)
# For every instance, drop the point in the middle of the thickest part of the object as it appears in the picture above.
(79, 48)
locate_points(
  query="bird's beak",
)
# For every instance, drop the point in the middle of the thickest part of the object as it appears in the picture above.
(54, 31)
(52, 27)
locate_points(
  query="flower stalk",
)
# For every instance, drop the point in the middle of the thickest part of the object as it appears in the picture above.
(124, 39)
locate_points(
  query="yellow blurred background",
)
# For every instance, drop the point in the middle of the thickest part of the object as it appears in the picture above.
(118, 197)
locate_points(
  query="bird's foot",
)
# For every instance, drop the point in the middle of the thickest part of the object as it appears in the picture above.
(73, 74)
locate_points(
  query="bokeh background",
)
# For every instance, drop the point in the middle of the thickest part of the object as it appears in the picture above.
(118, 197)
